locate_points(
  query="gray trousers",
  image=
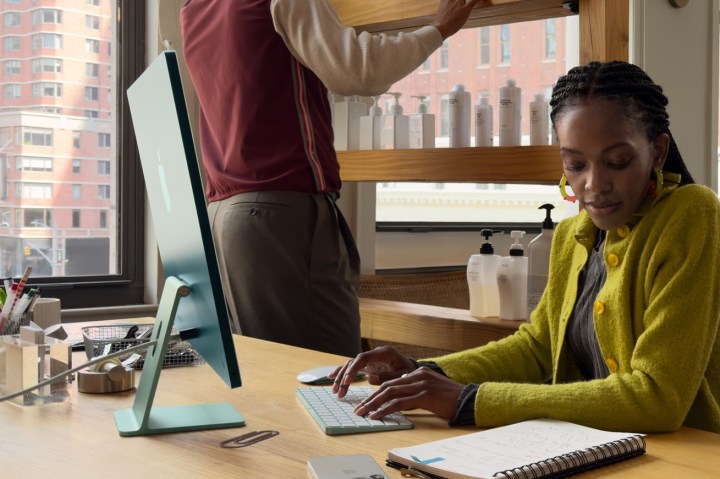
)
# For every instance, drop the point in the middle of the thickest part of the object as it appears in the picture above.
(290, 269)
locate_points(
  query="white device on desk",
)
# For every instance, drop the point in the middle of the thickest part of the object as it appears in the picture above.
(192, 298)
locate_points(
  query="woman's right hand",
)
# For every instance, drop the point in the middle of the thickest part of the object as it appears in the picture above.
(379, 365)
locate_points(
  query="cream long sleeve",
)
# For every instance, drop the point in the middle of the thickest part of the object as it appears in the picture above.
(347, 62)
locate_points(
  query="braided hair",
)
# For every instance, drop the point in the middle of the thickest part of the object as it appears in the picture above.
(631, 89)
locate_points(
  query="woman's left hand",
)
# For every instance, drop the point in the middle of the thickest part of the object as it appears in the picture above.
(420, 389)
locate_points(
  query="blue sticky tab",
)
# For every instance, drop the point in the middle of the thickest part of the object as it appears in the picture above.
(427, 461)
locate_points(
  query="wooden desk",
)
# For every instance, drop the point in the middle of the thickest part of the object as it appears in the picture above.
(78, 439)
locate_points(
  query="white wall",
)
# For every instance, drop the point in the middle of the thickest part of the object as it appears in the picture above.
(678, 48)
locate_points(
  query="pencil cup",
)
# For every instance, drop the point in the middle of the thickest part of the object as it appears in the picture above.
(24, 364)
(46, 312)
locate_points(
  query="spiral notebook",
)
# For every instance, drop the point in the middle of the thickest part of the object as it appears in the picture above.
(539, 448)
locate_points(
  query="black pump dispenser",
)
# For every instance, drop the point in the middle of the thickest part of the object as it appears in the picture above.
(487, 247)
(547, 223)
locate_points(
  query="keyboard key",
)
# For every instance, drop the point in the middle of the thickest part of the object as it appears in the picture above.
(336, 416)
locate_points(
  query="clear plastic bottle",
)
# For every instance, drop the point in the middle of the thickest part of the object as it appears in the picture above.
(395, 132)
(422, 126)
(482, 280)
(538, 252)
(512, 281)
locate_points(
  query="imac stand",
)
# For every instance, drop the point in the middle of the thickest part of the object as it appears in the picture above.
(142, 418)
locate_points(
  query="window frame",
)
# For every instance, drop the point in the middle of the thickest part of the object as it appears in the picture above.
(127, 286)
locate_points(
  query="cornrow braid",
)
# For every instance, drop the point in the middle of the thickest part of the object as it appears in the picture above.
(630, 88)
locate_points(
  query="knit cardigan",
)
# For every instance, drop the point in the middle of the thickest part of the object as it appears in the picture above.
(656, 320)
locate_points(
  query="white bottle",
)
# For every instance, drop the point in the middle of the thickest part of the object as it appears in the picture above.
(370, 127)
(510, 115)
(395, 133)
(512, 281)
(539, 120)
(346, 123)
(459, 106)
(483, 122)
(538, 253)
(422, 126)
(482, 280)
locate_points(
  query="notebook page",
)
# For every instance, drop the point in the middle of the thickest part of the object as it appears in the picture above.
(484, 453)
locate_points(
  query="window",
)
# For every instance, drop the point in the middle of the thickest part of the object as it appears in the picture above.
(103, 167)
(76, 218)
(11, 91)
(12, 67)
(550, 39)
(30, 163)
(92, 22)
(91, 93)
(103, 266)
(104, 192)
(484, 45)
(47, 15)
(33, 190)
(11, 19)
(37, 136)
(12, 44)
(444, 55)
(446, 205)
(92, 46)
(47, 89)
(47, 65)
(104, 140)
(102, 220)
(47, 41)
(505, 44)
(427, 64)
(76, 192)
(92, 69)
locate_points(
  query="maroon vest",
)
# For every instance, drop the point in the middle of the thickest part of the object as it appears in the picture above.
(265, 120)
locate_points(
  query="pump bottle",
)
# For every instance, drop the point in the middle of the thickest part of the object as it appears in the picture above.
(422, 126)
(482, 280)
(370, 127)
(459, 117)
(512, 281)
(538, 252)
(483, 122)
(510, 115)
(395, 131)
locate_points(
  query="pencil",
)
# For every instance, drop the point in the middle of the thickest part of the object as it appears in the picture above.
(20, 287)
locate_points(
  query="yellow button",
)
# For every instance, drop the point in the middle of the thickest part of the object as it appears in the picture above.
(613, 259)
(599, 308)
(623, 231)
(612, 365)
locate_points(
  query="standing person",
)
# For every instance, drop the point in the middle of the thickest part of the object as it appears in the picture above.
(262, 70)
(626, 334)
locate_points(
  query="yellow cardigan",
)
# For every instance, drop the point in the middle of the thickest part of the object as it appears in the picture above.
(656, 320)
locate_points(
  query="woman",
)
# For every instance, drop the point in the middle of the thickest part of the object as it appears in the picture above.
(626, 334)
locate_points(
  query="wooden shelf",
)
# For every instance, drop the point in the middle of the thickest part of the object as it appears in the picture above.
(384, 16)
(524, 164)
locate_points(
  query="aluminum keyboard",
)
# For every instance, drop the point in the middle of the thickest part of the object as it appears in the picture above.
(336, 416)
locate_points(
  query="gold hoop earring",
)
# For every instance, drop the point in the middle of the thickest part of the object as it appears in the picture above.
(563, 191)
